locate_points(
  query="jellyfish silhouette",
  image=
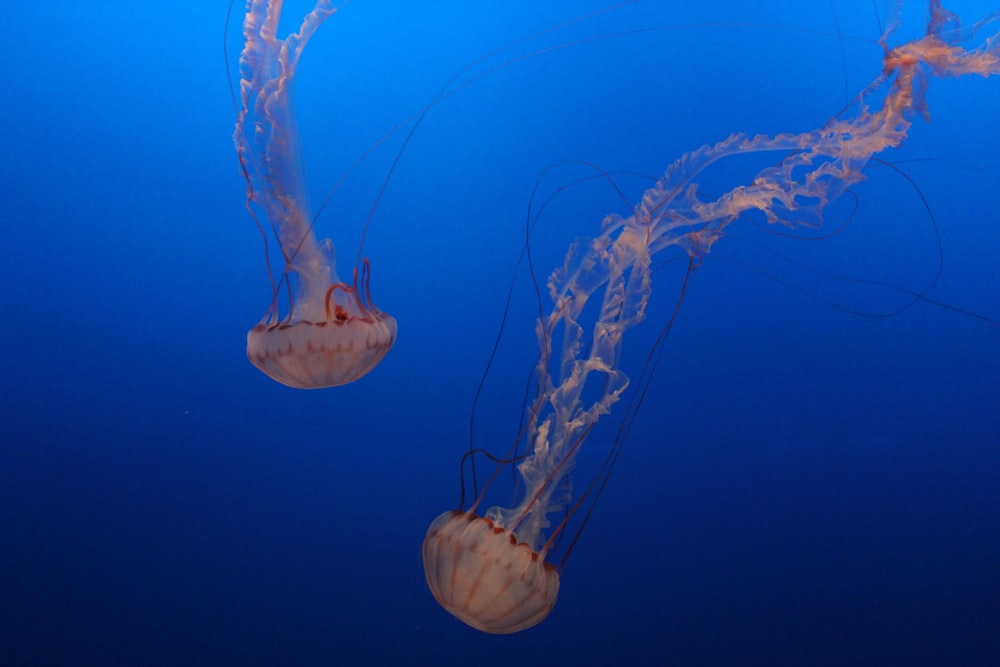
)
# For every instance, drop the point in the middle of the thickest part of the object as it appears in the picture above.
(490, 571)
(332, 333)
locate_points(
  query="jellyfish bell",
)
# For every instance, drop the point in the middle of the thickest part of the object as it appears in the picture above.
(336, 346)
(481, 574)
(332, 333)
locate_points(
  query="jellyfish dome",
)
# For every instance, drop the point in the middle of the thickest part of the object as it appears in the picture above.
(483, 576)
(348, 341)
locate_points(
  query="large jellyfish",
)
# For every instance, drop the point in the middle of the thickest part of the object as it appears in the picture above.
(332, 333)
(491, 571)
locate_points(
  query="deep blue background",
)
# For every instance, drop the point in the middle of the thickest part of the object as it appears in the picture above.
(804, 486)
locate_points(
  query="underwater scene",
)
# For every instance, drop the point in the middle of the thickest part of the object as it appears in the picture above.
(491, 333)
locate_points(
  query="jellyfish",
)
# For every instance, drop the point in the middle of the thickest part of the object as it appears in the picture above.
(332, 333)
(492, 571)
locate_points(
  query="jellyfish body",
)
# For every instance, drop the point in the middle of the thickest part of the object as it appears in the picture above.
(483, 576)
(463, 561)
(332, 333)
(348, 342)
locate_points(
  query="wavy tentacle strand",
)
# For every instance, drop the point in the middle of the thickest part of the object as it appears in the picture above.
(820, 166)
(267, 142)
(622, 268)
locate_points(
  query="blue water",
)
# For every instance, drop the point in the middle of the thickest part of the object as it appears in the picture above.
(806, 485)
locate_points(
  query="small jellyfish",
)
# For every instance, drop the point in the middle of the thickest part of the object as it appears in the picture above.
(331, 333)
